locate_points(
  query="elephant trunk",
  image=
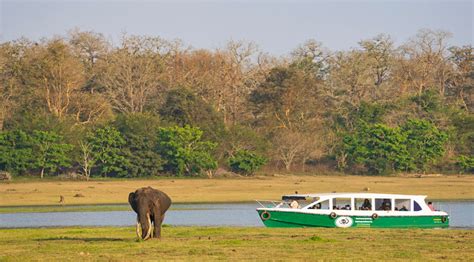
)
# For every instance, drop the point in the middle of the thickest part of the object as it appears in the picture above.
(148, 233)
(144, 222)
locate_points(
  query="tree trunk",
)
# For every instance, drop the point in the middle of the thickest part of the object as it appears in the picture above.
(42, 173)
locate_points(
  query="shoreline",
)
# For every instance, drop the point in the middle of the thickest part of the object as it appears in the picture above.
(104, 207)
(229, 190)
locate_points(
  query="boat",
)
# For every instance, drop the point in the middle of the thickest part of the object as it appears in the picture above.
(344, 210)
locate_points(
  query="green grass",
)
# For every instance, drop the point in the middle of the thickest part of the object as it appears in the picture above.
(234, 243)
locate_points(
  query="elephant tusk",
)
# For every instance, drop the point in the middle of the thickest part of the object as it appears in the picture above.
(148, 234)
(138, 229)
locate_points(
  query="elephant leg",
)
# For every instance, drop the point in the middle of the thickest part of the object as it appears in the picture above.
(157, 223)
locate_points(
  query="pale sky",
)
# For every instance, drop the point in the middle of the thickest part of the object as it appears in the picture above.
(276, 26)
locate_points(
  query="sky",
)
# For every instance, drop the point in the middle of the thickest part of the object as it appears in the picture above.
(275, 26)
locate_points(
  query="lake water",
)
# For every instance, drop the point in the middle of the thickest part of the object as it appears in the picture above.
(230, 214)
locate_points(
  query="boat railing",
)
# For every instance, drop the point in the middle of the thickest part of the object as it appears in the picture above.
(269, 203)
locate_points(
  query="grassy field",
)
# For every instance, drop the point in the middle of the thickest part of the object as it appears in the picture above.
(24, 193)
(202, 243)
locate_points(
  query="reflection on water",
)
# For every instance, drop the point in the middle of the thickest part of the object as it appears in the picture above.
(461, 214)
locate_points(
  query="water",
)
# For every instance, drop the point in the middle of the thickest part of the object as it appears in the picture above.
(230, 214)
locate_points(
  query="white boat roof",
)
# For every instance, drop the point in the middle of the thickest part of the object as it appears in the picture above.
(355, 195)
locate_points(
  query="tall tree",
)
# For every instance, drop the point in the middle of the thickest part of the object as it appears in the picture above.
(131, 74)
(423, 63)
(106, 146)
(58, 75)
(50, 152)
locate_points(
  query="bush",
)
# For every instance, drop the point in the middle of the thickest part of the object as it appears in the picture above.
(382, 149)
(424, 142)
(246, 162)
(184, 152)
(16, 152)
(106, 147)
(378, 147)
(466, 164)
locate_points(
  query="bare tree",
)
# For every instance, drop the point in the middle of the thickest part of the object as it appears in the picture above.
(87, 160)
(58, 76)
(131, 74)
(423, 62)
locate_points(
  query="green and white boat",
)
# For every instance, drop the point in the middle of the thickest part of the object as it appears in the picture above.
(352, 210)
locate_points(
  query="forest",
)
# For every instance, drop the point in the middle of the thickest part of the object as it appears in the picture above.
(82, 105)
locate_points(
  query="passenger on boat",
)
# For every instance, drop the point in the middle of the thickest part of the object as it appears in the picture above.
(430, 205)
(385, 205)
(294, 204)
(347, 207)
(366, 205)
(404, 208)
(316, 206)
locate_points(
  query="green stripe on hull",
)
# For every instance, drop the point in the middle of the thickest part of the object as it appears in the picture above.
(295, 219)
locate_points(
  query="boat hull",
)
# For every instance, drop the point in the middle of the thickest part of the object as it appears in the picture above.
(275, 218)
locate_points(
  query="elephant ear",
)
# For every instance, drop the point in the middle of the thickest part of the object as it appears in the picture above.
(133, 203)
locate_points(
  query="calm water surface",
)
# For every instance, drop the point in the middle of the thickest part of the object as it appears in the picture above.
(230, 214)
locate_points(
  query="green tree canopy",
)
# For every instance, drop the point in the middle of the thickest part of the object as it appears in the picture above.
(16, 151)
(184, 152)
(106, 145)
(49, 152)
(424, 142)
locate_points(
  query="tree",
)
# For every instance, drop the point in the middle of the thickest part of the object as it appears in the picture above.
(246, 162)
(131, 74)
(288, 107)
(139, 131)
(16, 152)
(12, 56)
(378, 147)
(87, 160)
(424, 142)
(379, 52)
(106, 144)
(289, 146)
(57, 75)
(184, 152)
(462, 82)
(183, 107)
(49, 152)
(312, 58)
(423, 63)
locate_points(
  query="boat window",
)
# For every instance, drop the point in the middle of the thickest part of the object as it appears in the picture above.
(383, 204)
(416, 206)
(363, 203)
(402, 205)
(341, 203)
(321, 205)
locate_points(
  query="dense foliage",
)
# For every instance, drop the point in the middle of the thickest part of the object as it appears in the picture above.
(184, 152)
(246, 162)
(152, 107)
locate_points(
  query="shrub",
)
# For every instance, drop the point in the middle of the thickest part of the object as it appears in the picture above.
(378, 147)
(466, 163)
(246, 162)
(16, 152)
(424, 142)
(106, 146)
(184, 152)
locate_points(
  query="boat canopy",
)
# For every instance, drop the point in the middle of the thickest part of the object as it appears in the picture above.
(349, 195)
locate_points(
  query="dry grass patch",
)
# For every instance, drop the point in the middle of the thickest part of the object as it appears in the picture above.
(230, 190)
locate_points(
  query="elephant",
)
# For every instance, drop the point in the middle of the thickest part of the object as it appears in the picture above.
(150, 205)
